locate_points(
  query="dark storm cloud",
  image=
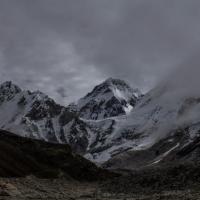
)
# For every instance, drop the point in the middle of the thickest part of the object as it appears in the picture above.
(71, 45)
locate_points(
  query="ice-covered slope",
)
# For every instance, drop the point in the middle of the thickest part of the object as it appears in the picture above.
(174, 104)
(113, 97)
(167, 117)
(35, 115)
(32, 114)
(160, 115)
(165, 122)
(151, 126)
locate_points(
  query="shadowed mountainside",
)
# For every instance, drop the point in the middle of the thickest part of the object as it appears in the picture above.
(20, 157)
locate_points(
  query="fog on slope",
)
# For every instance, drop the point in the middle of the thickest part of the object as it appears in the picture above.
(174, 104)
(184, 80)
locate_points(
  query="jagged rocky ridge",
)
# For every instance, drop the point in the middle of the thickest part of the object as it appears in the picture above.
(160, 125)
(111, 98)
(35, 115)
(32, 114)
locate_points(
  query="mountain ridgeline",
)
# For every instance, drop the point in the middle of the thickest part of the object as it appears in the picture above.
(113, 125)
(112, 98)
(35, 115)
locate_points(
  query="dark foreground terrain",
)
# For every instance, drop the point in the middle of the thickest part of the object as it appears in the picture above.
(32, 169)
(174, 181)
(20, 157)
(62, 189)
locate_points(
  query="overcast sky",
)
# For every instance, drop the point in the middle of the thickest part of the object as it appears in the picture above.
(65, 47)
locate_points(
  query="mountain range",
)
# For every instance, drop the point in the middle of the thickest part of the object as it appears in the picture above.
(113, 125)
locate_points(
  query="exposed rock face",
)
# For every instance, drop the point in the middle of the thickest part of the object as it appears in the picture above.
(32, 114)
(113, 97)
(35, 115)
(8, 91)
(150, 129)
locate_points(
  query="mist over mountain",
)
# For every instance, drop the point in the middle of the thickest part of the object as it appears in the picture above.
(184, 79)
(75, 45)
(100, 99)
(113, 119)
(35, 115)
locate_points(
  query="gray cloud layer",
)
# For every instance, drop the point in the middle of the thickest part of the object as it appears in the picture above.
(65, 47)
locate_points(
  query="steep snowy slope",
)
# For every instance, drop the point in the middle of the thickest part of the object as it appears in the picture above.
(175, 104)
(163, 123)
(164, 112)
(35, 115)
(32, 114)
(113, 97)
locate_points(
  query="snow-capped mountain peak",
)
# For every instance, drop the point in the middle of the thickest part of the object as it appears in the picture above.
(8, 90)
(100, 130)
(32, 114)
(111, 98)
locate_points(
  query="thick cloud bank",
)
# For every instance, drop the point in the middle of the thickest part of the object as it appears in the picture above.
(65, 47)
